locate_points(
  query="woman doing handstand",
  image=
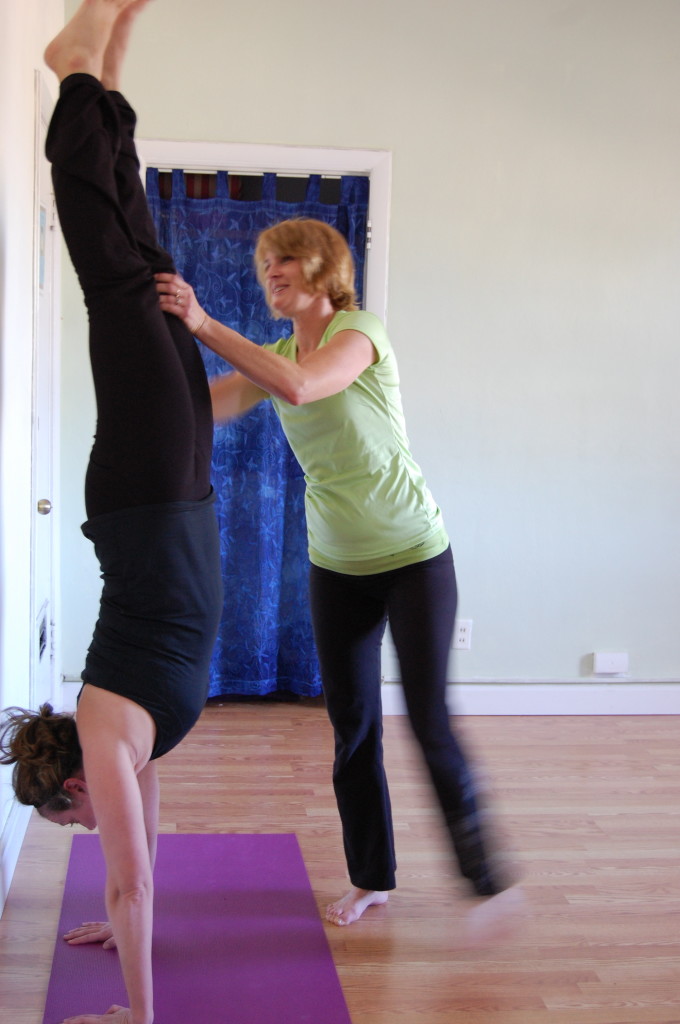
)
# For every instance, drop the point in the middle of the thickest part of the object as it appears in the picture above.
(149, 505)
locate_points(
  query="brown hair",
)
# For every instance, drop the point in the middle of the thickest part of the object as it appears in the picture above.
(324, 255)
(45, 751)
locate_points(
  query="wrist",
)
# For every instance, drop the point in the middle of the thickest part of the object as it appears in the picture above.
(142, 1016)
(201, 321)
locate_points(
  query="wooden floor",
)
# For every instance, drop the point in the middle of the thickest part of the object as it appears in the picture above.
(590, 808)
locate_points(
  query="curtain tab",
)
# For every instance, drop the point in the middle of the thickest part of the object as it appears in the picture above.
(314, 188)
(179, 189)
(222, 186)
(355, 189)
(347, 189)
(269, 186)
(152, 187)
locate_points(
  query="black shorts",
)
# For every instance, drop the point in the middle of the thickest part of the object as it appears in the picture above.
(160, 608)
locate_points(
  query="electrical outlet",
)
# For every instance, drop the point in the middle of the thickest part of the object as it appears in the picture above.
(462, 635)
(607, 663)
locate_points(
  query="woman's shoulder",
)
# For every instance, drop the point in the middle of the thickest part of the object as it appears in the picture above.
(363, 321)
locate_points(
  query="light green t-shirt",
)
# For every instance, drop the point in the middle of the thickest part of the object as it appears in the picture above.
(367, 504)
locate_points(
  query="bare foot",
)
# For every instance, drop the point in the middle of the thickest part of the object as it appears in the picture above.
(81, 44)
(350, 908)
(118, 44)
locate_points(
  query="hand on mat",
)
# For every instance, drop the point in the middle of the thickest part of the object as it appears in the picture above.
(114, 1015)
(92, 931)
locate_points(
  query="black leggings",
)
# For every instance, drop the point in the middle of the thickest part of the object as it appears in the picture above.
(349, 615)
(153, 440)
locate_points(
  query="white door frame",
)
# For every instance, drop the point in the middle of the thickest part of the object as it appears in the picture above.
(44, 658)
(44, 407)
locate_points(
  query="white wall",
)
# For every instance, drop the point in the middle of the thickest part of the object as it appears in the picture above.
(24, 30)
(533, 298)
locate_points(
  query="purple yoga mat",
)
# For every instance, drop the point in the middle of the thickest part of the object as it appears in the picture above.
(237, 936)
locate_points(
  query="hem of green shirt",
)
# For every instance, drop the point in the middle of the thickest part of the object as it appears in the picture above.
(437, 543)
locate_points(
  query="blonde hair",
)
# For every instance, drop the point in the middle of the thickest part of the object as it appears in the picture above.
(325, 258)
(45, 751)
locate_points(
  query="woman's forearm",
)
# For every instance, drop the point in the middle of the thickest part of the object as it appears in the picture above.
(131, 916)
(271, 372)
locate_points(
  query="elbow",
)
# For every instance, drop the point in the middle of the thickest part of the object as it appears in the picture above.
(295, 393)
(133, 898)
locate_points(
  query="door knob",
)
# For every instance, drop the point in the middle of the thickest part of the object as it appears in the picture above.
(44, 506)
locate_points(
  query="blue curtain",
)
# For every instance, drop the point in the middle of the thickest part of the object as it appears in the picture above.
(265, 641)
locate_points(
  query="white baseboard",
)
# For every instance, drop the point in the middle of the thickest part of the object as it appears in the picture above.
(12, 837)
(514, 698)
(70, 688)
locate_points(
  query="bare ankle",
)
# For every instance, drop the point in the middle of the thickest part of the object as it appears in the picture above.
(118, 44)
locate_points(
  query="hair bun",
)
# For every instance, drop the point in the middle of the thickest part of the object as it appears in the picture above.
(44, 748)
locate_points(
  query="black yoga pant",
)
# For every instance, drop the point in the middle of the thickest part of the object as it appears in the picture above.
(153, 440)
(349, 614)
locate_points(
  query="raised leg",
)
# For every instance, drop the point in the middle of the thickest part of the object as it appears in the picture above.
(154, 426)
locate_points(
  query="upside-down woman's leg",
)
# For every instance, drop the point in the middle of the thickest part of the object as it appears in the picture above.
(154, 427)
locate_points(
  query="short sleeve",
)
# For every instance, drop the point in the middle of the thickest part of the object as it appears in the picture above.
(366, 323)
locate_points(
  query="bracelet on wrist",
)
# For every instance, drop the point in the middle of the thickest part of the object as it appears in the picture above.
(196, 328)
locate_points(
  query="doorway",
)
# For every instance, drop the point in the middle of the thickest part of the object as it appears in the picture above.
(299, 161)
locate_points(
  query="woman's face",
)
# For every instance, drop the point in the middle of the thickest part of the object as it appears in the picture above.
(73, 816)
(80, 812)
(288, 293)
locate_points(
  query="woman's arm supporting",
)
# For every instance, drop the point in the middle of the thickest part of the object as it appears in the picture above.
(116, 737)
(233, 395)
(150, 791)
(317, 374)
(101, 931)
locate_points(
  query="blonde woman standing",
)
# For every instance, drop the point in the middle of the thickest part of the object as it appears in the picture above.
(378, 547)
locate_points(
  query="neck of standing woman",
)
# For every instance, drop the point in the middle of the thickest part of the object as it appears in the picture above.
(309, 326)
